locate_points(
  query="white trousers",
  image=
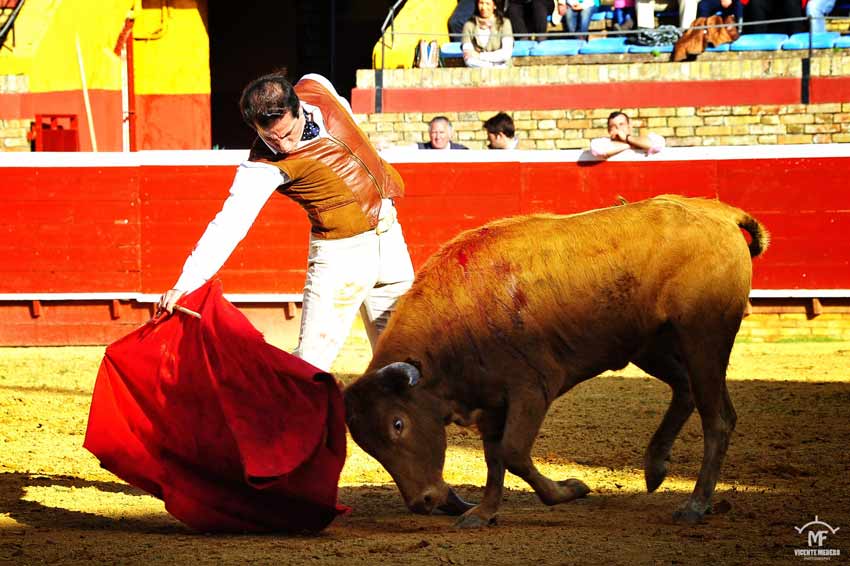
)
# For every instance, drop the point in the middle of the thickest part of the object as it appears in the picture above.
(366, 273)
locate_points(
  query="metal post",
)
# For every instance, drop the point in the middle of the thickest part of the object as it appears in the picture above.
(379, 73)
(805, 79)
(379, 79)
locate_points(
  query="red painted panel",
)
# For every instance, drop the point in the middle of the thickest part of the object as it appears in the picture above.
(69, 229)
(786, 185)
(362, 100)
(829, 89)
(459, 178)
(130, 229)
(173, 121)
(594, 95)
(639, 181)
(265, 281)
(65, 184)
(69, 281)
(199, 182)
(541, 194)
(105, 107)
(179, 202)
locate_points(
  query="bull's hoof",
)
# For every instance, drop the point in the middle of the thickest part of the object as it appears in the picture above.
(689, 515)
(654, 474)
(578, 488)
(470, 520)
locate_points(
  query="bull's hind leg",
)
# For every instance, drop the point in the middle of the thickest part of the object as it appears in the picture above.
(511, 450)
(707, 359)
(664, 364)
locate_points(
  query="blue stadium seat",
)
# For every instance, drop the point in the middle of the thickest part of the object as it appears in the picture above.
(556, 47)
(602, 14)
(651, 48)
(451, 50)
(718, 48)
(523, 47)
(842, 42)
(605, 45)
(821, 40)
(759, 42)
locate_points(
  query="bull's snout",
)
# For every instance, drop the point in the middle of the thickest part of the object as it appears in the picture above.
(427, 501)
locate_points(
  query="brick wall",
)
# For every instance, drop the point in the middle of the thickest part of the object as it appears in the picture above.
(683, 126)
(772, 327)
(13, 133)
(572, 128)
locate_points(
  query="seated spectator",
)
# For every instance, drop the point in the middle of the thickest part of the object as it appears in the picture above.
(621, 138)
(708, 8)
(501, 133)
(440, 134)
(528, 17)
(576, 14)
(487, 37)
(460, 15)
(624, 14)
(817, 9)
(760, 10)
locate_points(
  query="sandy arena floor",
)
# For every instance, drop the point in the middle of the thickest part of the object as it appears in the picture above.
(788, 462)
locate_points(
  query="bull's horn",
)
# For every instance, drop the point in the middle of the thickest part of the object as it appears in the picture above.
(408, 370)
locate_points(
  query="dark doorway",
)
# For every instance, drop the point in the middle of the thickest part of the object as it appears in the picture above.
(253, 37)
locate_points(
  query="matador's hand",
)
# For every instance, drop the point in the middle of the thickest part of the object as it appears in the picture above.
(169, 299)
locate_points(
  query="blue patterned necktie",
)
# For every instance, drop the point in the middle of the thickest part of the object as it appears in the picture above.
(311, 128)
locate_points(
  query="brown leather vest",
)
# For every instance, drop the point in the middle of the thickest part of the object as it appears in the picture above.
(338, 180)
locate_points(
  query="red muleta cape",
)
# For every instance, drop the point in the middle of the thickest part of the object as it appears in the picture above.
(230, 432)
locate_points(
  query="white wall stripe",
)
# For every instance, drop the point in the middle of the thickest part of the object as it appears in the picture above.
(236, 156)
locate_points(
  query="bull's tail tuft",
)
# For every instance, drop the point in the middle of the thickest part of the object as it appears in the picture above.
(759, 236)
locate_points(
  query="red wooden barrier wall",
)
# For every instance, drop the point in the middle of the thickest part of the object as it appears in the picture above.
(121, 225)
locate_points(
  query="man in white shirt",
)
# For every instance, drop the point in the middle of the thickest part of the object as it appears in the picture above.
(621, 138)
(501, 133)
(358, 256)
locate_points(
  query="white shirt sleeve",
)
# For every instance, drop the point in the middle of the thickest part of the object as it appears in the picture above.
(600, 147)
(327, 84)
(252, 186)
(657, 141)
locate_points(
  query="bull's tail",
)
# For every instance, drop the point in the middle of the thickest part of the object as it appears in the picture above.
(759, 236)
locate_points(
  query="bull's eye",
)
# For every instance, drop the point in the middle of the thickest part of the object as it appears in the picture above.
(398, 425)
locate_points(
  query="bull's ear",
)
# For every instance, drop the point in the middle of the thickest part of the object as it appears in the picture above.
(398, 372)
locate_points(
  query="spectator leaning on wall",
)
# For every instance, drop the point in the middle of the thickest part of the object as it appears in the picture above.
(621, 138)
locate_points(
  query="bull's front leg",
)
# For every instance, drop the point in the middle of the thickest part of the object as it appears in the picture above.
(484, 513)
(525, 416)
(491, 427)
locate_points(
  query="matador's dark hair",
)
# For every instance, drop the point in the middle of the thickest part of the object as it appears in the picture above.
(266, 99)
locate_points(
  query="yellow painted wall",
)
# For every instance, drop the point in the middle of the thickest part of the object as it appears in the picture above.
(45, 44)
(172, 54)
(418, 19)
(171, 47)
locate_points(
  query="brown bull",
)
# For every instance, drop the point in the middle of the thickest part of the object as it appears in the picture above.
(507, 317)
